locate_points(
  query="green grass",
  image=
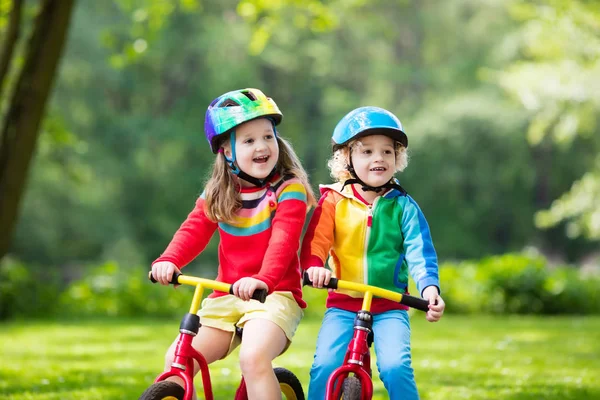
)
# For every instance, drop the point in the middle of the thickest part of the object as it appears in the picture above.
(461, 357)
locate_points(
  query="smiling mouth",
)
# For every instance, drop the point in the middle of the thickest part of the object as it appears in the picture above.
(378, 169)
(261, 160)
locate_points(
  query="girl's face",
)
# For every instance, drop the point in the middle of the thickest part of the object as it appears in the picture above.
(256, 148)
(374, 159)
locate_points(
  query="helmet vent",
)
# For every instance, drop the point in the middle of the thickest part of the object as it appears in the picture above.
(249, 95)
(229, 103)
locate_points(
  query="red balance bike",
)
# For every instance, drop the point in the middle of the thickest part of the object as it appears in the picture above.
(352, 381)
(185, 354)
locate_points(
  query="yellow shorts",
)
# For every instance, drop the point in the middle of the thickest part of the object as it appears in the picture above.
(227, 312)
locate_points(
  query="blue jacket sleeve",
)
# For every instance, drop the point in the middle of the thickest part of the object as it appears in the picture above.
(418, 247)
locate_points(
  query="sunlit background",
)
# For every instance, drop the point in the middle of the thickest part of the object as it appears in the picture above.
(500, 100)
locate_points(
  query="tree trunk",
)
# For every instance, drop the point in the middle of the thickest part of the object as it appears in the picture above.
(12, 35)
(26, 109)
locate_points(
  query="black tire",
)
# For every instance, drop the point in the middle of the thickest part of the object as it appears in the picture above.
(165, 390)
(351, 389)
(291, 388)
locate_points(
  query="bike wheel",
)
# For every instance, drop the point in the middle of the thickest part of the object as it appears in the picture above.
(165, 390)
(290, 386)
(351, 389)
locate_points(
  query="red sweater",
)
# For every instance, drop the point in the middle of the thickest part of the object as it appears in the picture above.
(261, 243)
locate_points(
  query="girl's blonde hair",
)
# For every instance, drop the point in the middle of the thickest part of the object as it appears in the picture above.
(222, 192)
(340, 160)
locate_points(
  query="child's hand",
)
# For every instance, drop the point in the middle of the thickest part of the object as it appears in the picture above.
(436, 303)
(319, 276)
(163, 271)
(245, 287)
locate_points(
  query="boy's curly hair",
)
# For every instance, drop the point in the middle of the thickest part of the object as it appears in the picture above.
(340, 160)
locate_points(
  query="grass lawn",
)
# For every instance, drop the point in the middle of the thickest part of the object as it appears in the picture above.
(461, 357)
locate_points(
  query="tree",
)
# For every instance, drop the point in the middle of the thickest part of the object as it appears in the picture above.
(12, 35)
(25, 111)
(555, 78)
(26, 108)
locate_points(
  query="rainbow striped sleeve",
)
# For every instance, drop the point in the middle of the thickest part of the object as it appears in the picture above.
(292, 190)
(319, 235)
(418, 246)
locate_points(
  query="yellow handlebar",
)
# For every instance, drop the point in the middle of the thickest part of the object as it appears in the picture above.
(369, 291)
(201, 283)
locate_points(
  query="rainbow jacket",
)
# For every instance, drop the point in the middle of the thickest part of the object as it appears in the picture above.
(377, 245)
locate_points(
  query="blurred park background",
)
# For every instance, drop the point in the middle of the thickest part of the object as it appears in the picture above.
(103, 154)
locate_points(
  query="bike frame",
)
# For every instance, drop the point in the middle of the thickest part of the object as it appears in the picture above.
(358, 354)
(185, 354)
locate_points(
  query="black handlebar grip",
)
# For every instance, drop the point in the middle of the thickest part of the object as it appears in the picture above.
(259, 294)
(174, 278)
(415, 302)
(333, 282)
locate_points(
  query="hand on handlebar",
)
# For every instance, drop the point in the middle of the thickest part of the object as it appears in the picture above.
(245, 287)
(163, 272)
(405, 299)
(319, 276)
(436, 303)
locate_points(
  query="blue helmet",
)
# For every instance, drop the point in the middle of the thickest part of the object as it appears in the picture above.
(365, 121)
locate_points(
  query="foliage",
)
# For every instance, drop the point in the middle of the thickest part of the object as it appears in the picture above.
(516, 283)
(112, 291)
(556, 80)
(578, 205)
(269, 17)
(122, 155)
(26, 293)
(475, 357)
(508, 284)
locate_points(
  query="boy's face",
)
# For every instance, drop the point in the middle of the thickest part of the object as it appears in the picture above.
(256, 148)
(374, 159)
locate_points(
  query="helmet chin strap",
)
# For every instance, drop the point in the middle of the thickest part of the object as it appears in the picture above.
(241, 174)
(368, 188)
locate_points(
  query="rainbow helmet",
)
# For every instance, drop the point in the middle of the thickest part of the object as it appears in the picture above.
(233, 109)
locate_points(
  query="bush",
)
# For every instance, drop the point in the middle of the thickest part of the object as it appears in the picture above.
(511, 283)
(515, 283)
(113, 291)
(26, 292)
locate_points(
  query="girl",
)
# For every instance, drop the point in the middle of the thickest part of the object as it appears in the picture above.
(257, 199)
(375, 234)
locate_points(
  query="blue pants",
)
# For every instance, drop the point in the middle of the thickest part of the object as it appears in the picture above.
(391, 332)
